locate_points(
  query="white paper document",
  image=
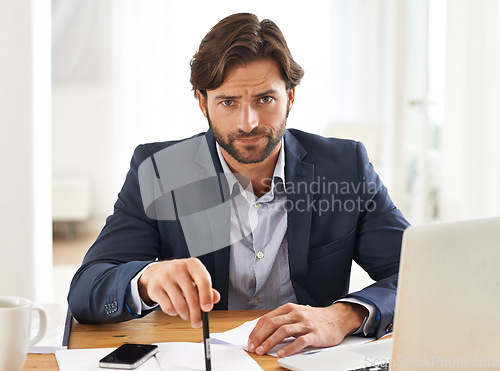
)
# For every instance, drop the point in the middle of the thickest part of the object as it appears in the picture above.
(239, 337)
(57, 320)
(191, 356)
(88, 360)
(170, 357)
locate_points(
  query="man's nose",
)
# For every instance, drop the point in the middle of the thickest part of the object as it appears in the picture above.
(248, 119)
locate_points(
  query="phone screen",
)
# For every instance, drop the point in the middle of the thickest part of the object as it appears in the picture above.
(128, 356)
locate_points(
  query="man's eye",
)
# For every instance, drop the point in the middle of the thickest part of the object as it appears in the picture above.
(265, 99)
(227, 102)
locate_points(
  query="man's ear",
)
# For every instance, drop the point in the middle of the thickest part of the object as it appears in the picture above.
(202, 102)
(291, 98)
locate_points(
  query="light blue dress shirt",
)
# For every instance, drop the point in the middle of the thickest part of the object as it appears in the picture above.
(259, 274)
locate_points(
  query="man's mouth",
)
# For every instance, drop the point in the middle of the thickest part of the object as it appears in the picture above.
(249, 140)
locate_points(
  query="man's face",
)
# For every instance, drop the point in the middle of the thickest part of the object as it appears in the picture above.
(247, 113)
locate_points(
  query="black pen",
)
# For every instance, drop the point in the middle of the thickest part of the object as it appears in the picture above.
(206, 341)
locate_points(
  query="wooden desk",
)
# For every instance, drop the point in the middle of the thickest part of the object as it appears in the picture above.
(156, 327)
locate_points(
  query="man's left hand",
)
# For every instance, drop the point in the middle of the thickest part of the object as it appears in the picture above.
(317, 327)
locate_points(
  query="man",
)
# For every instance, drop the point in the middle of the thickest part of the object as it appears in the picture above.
(281, 212)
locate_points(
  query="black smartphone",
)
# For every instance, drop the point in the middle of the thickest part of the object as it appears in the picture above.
(128, 356)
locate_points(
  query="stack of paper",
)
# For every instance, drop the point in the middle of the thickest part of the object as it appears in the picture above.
(58, 326)
(170, 357)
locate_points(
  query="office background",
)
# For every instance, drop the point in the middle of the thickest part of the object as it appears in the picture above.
(83, 82)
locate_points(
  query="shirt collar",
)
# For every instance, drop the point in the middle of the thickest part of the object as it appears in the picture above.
(278, 174)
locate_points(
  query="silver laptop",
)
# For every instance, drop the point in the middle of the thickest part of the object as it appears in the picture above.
(447, 307)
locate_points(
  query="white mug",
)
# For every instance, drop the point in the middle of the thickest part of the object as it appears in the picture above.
(15, 331)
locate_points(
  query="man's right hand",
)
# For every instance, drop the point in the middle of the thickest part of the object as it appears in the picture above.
(180, 287)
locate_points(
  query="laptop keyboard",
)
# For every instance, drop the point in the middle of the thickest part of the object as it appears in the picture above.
(381, 367)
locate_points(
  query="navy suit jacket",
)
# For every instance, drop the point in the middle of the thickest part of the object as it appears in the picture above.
(338, 211)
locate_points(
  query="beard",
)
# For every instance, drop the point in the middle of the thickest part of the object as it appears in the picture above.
(250, 154)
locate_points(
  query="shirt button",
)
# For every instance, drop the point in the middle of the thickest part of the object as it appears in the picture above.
(260, 255)
(257, 205)
(256, 301)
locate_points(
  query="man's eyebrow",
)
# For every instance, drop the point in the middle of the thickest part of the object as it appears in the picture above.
(268, 92)
(229, 97)
(260, 95)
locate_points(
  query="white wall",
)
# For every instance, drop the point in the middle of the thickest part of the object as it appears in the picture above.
(25, 218)
(82, 104)
(83, 143)
(471, 131)
(361, 89)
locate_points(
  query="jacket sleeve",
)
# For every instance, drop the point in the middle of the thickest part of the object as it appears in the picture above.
(128, 242)
(378, 244)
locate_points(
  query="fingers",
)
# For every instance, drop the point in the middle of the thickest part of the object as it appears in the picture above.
(319, 327)
(297, 345)
(184, 297)
(273, 328)
(283, 332)
(272, 320)
(182, 287)
(201, 278)
(165, 304)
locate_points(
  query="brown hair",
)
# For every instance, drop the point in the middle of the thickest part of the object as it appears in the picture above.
(240, 39)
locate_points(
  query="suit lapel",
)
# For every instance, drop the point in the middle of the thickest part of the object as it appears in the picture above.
(299, 175)
(209, 161)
